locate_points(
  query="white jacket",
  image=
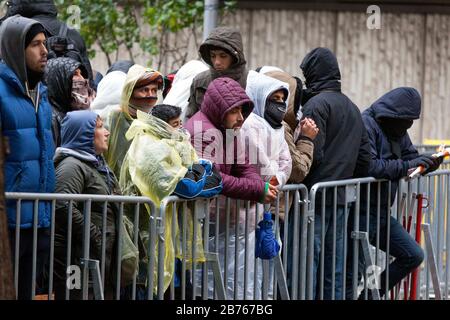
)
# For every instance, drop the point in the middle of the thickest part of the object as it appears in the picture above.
(266, 143)
(181, 86)
(109, 91)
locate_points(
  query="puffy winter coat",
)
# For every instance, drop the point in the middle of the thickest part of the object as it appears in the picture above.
(29, 165)
(240, 181)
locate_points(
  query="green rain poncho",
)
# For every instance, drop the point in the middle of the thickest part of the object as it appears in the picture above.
(118, 121)
(157, 159)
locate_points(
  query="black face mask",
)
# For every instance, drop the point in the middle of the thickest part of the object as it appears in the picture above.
(274, 113)
(395, 128)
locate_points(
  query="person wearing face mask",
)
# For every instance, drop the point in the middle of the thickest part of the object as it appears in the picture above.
(68, 90)
(392, 156)
(264, 127)
(341, 151)
(140, 92)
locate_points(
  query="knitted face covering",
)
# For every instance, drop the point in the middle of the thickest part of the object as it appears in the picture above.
(82, 95)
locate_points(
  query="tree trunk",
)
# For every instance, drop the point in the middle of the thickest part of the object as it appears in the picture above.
(6, 273)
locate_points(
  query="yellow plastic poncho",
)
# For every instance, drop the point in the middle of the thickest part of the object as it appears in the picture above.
(118, 121)
(157, 159)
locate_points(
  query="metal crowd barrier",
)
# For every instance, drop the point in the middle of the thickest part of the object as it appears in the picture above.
(205, 248)
(227, 267)
(421, 207)
(96, 268)
(434, 274)
(331, 205)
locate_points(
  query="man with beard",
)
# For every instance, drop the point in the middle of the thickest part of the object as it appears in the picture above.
(139, 93)
(26, 122)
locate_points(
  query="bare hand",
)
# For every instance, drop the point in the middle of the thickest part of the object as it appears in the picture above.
(309, 128)
(271, 194)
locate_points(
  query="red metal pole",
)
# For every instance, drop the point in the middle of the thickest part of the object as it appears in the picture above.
(415, 273)
(407, 283)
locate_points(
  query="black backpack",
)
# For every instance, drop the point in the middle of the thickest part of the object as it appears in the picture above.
(62, 46)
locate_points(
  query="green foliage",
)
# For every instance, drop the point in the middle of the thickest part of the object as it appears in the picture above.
(105, 23)
(113, 24)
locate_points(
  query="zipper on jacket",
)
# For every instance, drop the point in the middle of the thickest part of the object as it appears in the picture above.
(35, 103)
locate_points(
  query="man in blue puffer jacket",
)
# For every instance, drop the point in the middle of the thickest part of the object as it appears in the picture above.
(392, 156)
(26, 122)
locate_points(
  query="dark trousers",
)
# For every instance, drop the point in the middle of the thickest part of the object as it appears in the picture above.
(24, 290)
(407, 253)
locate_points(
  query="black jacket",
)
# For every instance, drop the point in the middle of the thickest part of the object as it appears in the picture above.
(58, 77)
(45, 12)
(400, 103)
(341, 149)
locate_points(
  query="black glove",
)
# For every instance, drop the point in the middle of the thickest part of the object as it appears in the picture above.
(421, 160)
(436, 163)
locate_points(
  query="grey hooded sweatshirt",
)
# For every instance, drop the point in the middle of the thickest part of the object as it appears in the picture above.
(13, 51)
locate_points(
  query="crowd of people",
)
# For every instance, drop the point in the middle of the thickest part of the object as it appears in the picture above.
(211, 128)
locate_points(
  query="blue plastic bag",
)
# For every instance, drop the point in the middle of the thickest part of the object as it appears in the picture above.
(267, 247)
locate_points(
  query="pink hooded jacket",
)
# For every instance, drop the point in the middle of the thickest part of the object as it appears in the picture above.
(208, 135)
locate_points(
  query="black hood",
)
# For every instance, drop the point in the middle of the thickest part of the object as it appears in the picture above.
(400, 103)
(321, 70)
(121, 65)
(58, 77)
(31, 8)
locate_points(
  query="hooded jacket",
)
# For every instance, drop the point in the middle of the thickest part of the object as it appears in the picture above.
(45, 12)
(274, 72)
(341, 148)
(231, 40)
(180, 91)
(302, 149)
(118, 121)
(29, 165)
(109, 91)
(269, 144)
(240, 181)
(400, 103)
(79, 170)
(58, 77)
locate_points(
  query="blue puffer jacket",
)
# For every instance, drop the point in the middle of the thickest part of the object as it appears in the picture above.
(400, 103)
(29, 166)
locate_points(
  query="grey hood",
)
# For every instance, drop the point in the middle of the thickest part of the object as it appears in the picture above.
(13, 32)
